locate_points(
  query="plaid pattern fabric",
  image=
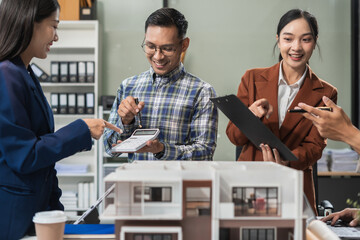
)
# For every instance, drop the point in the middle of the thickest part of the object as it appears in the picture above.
(179, 105)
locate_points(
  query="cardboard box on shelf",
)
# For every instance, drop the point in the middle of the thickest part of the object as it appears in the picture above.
(69, 9)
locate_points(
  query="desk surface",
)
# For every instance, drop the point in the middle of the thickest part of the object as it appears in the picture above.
(76, 238)
(326, 174)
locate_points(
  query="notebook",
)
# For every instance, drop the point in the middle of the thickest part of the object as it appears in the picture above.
(251, 125)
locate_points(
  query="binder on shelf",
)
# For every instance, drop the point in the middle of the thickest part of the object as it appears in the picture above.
(82, 72)
(86, 198)
(80, 195)
(39, 73)
(63, 105)
(54, 69)
(73, 71)
(90, 70)
(71, 103)
(64, 72)
(80, 100)
(54, 102)
(90, 103)
(92, 192)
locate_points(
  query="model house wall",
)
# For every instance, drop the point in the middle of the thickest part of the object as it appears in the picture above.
(206, 200)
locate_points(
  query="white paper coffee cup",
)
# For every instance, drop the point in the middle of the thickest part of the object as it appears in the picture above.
(50, 225)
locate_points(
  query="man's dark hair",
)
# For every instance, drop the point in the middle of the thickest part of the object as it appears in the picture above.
(166, 17)
(17, 18)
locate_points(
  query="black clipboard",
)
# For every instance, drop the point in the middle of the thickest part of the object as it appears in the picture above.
(251, 125)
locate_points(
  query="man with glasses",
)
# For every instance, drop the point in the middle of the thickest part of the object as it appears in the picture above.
(166, 97)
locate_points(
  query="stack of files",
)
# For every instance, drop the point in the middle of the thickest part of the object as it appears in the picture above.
(69, 200)
(64, 168)
(343, 160)
(86, 194)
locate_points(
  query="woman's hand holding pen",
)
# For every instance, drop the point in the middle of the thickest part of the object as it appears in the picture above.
(128, 109)
(261, 108)
(97, 127)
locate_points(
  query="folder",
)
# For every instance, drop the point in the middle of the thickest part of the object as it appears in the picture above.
(39, 73)
(90, 103)
(73, 71)
(250, 125)
(82, 71)
(54, 69)
(90, 70)
(71, 103)
(63, 105)
(80, 100)
(54, 102)
(64, 72)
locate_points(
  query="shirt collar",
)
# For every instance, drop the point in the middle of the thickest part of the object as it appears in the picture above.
(169, 77)
(282, 80)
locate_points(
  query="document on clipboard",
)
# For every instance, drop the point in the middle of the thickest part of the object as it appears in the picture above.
(251, 125)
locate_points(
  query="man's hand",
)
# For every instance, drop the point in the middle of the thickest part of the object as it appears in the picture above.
(333, 125)
(350, 215)
(128, 109)
(153, 146)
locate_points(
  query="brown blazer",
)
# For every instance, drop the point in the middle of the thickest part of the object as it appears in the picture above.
(296, 132)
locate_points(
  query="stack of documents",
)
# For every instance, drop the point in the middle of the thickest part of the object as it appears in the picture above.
(69, 200)
(63, 168)
(341, 160)
(86, 194)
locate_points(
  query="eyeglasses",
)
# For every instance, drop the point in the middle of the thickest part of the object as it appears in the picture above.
(166, 50)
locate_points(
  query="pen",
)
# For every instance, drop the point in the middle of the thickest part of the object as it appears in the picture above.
(303, 111)
(139, 114)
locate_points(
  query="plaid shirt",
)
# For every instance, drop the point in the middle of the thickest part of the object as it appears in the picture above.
(179, 105)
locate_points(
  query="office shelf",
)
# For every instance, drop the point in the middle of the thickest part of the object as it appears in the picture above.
(78, 41)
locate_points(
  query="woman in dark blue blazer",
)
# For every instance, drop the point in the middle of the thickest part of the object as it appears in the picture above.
(29, 147)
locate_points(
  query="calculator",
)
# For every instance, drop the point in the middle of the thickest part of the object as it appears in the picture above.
(136, 141)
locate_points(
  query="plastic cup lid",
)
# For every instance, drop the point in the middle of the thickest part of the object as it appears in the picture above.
(55, 216)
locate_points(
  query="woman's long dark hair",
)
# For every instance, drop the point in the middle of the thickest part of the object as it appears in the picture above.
(17, 18)
(294, 14)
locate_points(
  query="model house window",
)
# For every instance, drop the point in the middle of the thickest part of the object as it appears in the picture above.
(255, 201)
(152, 194)
(257, 233)
(149, 236)
(198, 201)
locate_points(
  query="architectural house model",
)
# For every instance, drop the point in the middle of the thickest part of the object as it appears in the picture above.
(173, 200)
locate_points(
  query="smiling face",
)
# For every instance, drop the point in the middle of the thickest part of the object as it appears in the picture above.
(44, 34)
(296, 44)
(164, 38)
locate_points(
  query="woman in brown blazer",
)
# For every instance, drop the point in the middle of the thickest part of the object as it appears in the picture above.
(270, 92)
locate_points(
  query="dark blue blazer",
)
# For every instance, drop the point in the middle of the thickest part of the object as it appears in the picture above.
(29, 149)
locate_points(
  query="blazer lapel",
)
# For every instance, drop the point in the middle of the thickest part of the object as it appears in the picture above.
(40, 97)
(267, 87)
(307, 94)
